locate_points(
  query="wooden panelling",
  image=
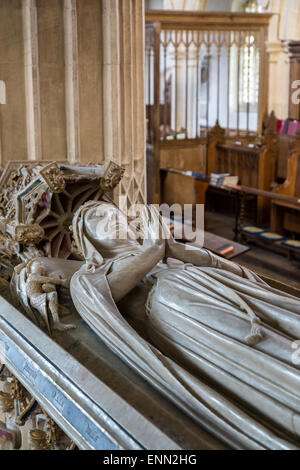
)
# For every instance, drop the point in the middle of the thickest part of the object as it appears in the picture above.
(255, 167)
(188, 156)
(286, 215)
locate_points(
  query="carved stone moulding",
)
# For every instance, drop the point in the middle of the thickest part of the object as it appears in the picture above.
(81, 404)
(18, 407)
(38, 200)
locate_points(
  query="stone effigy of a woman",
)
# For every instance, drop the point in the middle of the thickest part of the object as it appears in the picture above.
(208, 333)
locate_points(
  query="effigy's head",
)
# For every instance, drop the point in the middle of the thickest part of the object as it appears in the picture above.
(35, 267)
(100, 228)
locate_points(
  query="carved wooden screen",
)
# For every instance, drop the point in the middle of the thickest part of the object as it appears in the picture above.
(207, 67)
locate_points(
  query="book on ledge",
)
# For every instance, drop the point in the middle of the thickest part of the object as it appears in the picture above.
(225, 249)
(197, 175)
(216, 178)
(222, 180)
(230, 181)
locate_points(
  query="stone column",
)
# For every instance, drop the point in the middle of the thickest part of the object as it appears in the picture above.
(71, 80)
(90, 79)
(32, 86)
(278, 79)
(2, 101)
(123, 94)
(294, 56)
(284, 26)
(111, 79)
(74, 77)
(2, 92)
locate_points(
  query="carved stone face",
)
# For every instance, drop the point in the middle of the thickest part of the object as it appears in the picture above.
(37, 268)
(108, 230)
(112, 224)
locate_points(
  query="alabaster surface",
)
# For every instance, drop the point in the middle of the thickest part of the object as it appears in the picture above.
(206, 332)
(211, 335)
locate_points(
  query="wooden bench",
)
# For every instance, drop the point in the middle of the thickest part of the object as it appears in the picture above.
(181, 187)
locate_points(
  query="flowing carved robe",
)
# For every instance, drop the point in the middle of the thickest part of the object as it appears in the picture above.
(220, 345)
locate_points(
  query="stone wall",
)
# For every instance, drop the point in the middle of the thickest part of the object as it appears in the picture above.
(74, 77)
(283, 28)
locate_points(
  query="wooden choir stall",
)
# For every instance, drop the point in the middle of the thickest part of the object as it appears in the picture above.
(250, 158)
(285, 216)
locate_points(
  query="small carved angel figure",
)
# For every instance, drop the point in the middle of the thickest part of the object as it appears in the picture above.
(42, 296)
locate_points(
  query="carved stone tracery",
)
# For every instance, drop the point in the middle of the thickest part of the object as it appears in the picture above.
(38, 200)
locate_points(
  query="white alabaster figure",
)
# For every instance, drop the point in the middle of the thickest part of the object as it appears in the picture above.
(211, 335)
(35, 284)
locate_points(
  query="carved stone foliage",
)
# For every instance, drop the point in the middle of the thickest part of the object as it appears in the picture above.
(15, 399)
(29, 234)
(46, 434)
(24, 422)
(54, 178)
(112, 177)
